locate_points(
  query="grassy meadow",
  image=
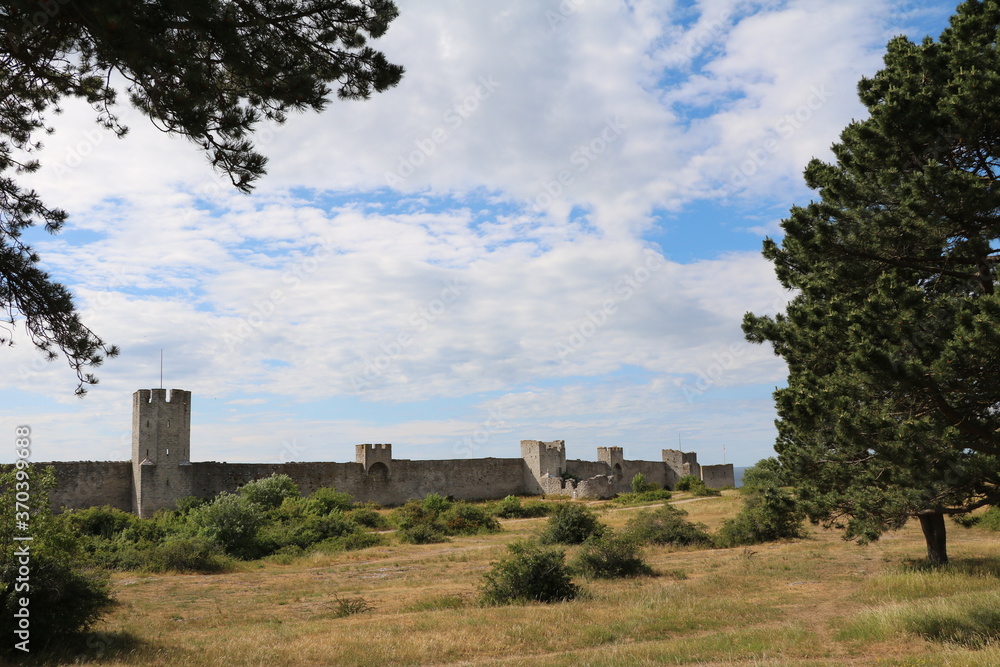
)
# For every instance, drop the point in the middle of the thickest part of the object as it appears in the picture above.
(813, 601)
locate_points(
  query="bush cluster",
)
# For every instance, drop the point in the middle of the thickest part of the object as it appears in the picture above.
(695, 485)
(768, 514)
(435, 518)
(571, 524)
(766, 472)
(529, 573)
(67, 592)
(990, 519)
(667, 526)
(611, 557)
(263, 518)
(642, 492)
(534, 572)
(640, 485)
(511, 507)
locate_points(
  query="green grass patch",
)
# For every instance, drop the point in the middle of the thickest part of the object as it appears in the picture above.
(437, 603)
(971, 620)
(643, 497)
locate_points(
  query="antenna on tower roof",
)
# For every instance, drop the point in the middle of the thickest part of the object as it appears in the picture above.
(161, 368)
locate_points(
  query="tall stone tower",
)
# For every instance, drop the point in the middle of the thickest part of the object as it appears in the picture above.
(161, 449)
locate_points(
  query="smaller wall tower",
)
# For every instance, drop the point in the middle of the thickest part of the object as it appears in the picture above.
(376, 459)
(615, 458)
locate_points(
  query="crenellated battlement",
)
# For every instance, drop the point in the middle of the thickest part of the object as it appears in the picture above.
(172, 396)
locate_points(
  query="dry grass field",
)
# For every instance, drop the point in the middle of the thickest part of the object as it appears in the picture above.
(814, 601)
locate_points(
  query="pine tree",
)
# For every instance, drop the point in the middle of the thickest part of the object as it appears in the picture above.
(209, 70)
(892, 340)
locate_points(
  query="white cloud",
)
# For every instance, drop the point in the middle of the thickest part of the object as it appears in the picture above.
(528, 149)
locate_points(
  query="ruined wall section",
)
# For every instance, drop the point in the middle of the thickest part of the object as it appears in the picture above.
(598, 486)
(718, 476)
(680, 464)
(652, 471)
(586, 469)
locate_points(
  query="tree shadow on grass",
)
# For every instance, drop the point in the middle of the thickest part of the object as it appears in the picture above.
(978, 567)
(83, 648)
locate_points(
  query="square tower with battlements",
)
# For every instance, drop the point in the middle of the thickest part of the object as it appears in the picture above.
(161, 449)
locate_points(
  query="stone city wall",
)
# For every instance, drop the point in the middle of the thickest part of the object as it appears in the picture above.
(89, 483)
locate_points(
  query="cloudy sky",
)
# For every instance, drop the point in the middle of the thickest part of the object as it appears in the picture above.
(549, 230)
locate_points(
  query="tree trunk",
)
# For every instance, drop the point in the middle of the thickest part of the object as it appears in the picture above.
(934, 534)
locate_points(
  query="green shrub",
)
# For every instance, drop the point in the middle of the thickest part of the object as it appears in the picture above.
(511, 507)
(765, 473)
(67, 594)
(231, 521)
(990, 519)
(666, 525)
(508, 508)
(654, 496)
(529, 573)
(610, 557)
(695, 485)
(369, 518)
(435, 517)
(188, 503)
(304, 531)
(535, 508)
(269, 492)
(114, 540)
(421, 533)
(435, 504)
(413, 513)
(466, 519)
(685, 482)
(361, 539)
(188, 554)
(104, 522)
(640, 485)
(571, 524)
(767, 514)
(330, 499)
(298, 508)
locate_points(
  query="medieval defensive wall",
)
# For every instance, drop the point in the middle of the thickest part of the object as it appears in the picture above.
(161, 471)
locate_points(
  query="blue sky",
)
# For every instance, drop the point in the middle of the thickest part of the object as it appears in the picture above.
(549, 230)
